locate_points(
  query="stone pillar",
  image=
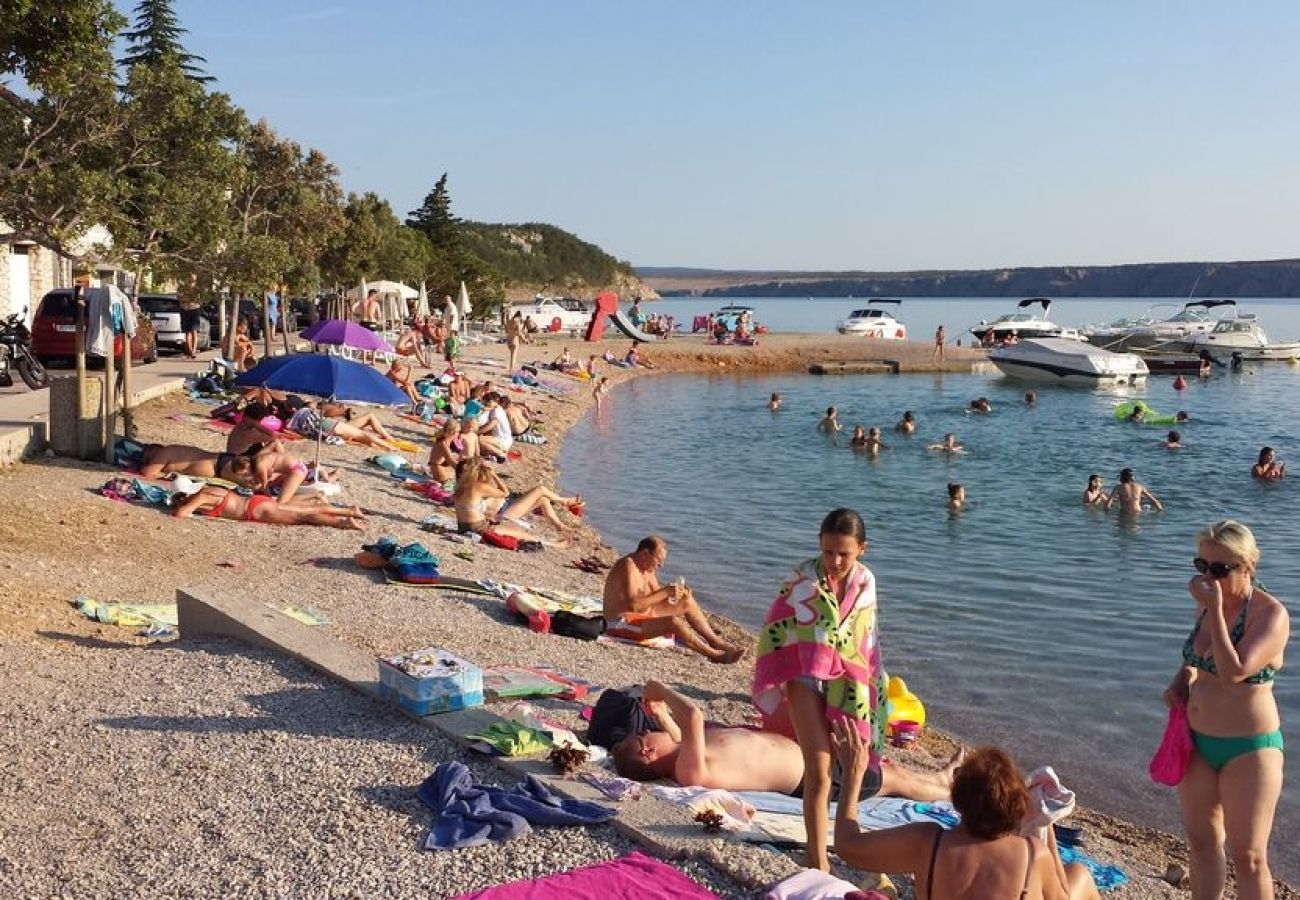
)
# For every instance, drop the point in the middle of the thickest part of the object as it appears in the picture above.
(64, 425)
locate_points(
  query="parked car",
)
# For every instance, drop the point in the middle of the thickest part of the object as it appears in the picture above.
(164, 310)
(303, 311)
(54, 332)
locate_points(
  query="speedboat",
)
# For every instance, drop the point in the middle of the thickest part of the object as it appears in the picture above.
(1067, 361)
(560, 313)
(1242, 334)
(873, 321)
(731, 313)
(1155, 330)
(1022, 325)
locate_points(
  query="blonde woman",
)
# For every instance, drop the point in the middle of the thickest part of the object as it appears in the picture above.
(1230, 790)
(443, 456)
(484, 503)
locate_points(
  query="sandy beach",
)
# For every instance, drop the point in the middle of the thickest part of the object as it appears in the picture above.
(203, 767)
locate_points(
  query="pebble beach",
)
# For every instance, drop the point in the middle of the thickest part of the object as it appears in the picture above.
(205, 767)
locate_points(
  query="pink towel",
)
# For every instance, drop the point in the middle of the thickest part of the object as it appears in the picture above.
(634, 877)
(1174, 754)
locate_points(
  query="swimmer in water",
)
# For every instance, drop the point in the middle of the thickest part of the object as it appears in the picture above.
(775, 403)
(1129, 494)
(1139, 414)
(908, 423)
(1174, 441)
(874, 444)
(956, 497)
(980, 405)
(1031, 399)
(1268, 466)
(1094, 494)
(859, 439)
(1181, 416)
(948, 444)
(831, 423)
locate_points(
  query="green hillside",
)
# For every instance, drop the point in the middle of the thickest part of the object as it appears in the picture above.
(540, 254)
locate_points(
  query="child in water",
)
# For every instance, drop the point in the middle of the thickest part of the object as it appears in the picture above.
(956, 497)
(830, 423)
(599, 391)
(908, 423)
(775, 403)
(948, 444)
(1174, 441)
(1094, 494)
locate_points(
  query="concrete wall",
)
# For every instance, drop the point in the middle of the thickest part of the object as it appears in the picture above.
(46, 270)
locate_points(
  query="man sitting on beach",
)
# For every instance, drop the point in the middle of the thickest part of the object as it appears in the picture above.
(637, 607)
(743, 759)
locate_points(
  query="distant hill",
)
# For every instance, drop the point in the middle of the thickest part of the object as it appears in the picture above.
(1266, 278)
(539, 257)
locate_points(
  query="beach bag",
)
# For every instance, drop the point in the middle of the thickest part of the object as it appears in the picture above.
(1174, 754)
(584, 628)
(617, 715)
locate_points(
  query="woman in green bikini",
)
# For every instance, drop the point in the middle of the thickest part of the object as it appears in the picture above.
(1231, 787)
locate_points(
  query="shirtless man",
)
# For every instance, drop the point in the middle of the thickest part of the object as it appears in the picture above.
(1129, 494)
(638, 607)
(742, 759)
(830, 423)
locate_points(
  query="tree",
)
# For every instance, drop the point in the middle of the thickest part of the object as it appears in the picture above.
(60, 164)
(157, 36)
(435, 219)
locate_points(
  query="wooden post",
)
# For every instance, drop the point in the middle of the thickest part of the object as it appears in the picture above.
(221, 323)
(79, 305)
(110, 399)
(234, 324)
(284, 317)
(128, 414)
(266, 327)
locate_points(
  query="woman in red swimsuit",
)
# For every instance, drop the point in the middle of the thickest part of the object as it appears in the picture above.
(221, 503)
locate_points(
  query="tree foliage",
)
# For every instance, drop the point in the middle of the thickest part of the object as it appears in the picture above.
(435, 219)
(541, 254)
(157, 37)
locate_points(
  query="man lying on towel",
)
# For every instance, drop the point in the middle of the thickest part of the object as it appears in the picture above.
(743, 759)
(637, 607)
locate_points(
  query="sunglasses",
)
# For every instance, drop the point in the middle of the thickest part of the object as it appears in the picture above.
(1215, 570)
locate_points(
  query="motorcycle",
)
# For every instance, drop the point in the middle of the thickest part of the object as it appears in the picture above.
(16, 352)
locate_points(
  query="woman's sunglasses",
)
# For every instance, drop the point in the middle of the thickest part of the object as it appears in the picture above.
(1215, 570)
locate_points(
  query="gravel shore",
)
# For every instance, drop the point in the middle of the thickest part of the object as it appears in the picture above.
(204, 768)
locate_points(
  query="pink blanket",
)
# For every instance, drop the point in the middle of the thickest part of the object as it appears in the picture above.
(634, 877)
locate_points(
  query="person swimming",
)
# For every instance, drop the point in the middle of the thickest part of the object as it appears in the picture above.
(1268, 466)
(956, 497)
(874, 444)
(1129, 494)
(1174, 441)
(980, 405)
(859, 439)
(1031, 399)
(948, 444)
(1094, 494)
(907, 425)
(830, 423)
(775, 403)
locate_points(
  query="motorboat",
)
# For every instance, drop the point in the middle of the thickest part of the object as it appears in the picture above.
(1067, 361)
(1023, 325)
(1242, 334)
(731, 313)
(560, 313)
(1154, 329)
(874, 321)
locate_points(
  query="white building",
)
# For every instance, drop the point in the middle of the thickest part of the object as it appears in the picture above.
(28, 271)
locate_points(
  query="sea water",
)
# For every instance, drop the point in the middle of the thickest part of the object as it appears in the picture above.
(1029, 620)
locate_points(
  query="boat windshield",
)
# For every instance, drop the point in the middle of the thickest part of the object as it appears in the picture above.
(1189, 315)
(866, 314)
(1234, 326)
(1017, 317)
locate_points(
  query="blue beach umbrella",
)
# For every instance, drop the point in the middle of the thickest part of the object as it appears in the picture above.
(327, 377)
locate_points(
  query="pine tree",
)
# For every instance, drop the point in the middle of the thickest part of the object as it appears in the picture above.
(157, 35)
(434, 218)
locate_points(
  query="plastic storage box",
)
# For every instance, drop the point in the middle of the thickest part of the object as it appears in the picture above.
(424, 682)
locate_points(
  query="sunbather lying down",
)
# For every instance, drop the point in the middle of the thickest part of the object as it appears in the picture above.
(221, 503)
(743, 759)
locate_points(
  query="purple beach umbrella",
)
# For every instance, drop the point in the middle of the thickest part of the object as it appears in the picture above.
(345, 334)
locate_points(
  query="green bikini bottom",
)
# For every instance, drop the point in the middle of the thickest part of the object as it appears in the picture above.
(1219, 751)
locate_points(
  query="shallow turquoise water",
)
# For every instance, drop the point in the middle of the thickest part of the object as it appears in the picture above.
(1030, 620)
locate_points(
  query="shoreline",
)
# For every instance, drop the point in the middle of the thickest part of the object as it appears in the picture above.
(384, 618)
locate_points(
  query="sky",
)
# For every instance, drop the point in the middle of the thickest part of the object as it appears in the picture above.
(779, 135)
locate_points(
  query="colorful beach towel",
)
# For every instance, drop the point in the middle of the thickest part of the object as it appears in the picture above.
(634, 877)
(127, 615)
(808, 632)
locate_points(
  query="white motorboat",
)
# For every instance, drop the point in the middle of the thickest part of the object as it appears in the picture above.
(560, 313)
(1153, 329)
(1242, 334)
(874, 321)
(732, 312)
(1067, 361)
(1023, 325)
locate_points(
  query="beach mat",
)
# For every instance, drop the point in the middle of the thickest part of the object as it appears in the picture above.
(445, 583)
(633, 877)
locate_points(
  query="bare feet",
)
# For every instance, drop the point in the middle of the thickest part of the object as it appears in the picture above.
(728, 655)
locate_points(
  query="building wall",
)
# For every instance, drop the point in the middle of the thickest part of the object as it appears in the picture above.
(46, 270)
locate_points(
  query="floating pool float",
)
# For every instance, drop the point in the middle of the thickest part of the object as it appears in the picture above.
(1150, 416)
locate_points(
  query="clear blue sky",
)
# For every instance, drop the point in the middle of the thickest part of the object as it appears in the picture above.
(800, 135)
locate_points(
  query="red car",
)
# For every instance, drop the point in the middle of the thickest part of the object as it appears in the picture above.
(54, 331)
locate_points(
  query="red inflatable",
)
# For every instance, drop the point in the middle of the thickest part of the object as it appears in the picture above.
(606, 305)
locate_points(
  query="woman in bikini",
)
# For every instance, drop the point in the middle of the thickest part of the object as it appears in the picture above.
(157, 460)
(984, 857)
(443, 457)
(221, 503)
(363, 429)
(1095, 493)
(1230, 790)
(484, 503)
(1267, 466)
(514, 337)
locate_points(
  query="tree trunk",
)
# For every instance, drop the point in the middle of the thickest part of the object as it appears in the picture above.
(234, 326)
(221, 322)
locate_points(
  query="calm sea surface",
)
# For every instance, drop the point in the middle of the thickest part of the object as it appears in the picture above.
(1029, 621)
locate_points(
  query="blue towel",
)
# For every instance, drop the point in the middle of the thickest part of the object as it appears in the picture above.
(467, 813)
(1107, 877)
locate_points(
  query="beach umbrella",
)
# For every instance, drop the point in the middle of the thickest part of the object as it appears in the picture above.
(422, 303)
(463, 303)
(394, 288)
(326, 377)
(340, 333)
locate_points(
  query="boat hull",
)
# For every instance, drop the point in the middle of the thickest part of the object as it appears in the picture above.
(1047, 373)
(1062, 361)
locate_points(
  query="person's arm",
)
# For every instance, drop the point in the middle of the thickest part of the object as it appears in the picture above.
(619, 584)
(691, 767)
(187, 507)
(1154, 500)
(1261, 644)
(1110, 498)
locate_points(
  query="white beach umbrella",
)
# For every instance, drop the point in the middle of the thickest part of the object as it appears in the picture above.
(464, 306)
(422, 303)
(395, 288)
